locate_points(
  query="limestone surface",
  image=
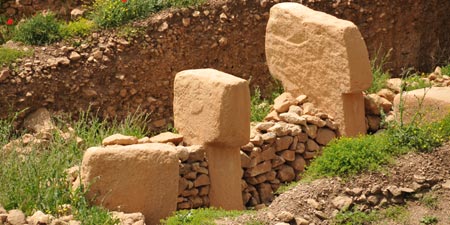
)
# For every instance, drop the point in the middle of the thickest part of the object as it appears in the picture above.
(428, 104)
(323, 57)
(135, 178)
(211, 107)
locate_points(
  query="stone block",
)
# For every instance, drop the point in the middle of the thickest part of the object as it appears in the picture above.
(136, 178)
(323, 57)
(212, 107)
(430, 104)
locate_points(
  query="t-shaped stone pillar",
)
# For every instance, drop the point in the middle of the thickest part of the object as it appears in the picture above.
(323, 57)
(212, 108)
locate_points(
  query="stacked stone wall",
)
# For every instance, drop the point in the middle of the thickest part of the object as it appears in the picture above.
(279, 149)
(193, 188)
(228, 36)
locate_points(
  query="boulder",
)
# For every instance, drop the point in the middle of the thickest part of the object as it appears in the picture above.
(39, 121)
(427, 105)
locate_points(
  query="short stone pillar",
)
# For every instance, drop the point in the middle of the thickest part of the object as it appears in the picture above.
(212, 108)
(134, 178)
(323, 57)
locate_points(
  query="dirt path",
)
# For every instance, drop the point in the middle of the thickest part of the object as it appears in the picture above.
(419, 181)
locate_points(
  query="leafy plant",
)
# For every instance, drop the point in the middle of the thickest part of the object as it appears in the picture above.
(38, 30)
(426, 220)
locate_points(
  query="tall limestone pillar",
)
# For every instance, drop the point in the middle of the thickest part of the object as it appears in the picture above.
(212, 108)
(323, 57)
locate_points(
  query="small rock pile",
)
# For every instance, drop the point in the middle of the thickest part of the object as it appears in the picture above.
(193, 188)
(42, 129)
(280, 148)
(17, 217)
(383, 100)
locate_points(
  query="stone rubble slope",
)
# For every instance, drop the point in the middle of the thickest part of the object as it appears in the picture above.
(408, 180)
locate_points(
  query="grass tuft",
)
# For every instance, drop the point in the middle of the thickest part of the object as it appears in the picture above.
(349, 156)
(80, 28)
(203, 216)
(379, 75)
(9, 55)
(37, 181)
(38, 30)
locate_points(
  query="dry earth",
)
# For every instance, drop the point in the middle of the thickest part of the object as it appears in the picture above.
(312, 201)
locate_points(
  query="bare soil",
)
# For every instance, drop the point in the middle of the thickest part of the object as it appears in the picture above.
(433, 167)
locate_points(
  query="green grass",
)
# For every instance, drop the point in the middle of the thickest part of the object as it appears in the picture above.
(429, 200)
(260, 106)
(202, 216)
(379, 75)
(416, 81)
(446, 70)
(107, 13)
(79, 28)
(37, 181)
(9, 55)
(349, 156)
(397, 214)
(427, 220)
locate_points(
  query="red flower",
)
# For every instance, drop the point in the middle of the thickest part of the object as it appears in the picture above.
(124, 1)
(9, 21)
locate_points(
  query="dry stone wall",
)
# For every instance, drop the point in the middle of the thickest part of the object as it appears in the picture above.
(280, 148)
(194, 185)
(117, 75)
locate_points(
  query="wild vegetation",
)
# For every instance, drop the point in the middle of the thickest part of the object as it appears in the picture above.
(39, 181)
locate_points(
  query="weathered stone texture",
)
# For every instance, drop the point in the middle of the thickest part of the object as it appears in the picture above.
(211, 107)
(135, 178)
(324, 57)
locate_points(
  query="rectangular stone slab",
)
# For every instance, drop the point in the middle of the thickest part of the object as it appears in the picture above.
(212, 107)
(321, 56)
(134, 178)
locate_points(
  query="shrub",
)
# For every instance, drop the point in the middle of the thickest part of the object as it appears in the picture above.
(38, 30)
(79, 28)
(348, 156)
(9, 55)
